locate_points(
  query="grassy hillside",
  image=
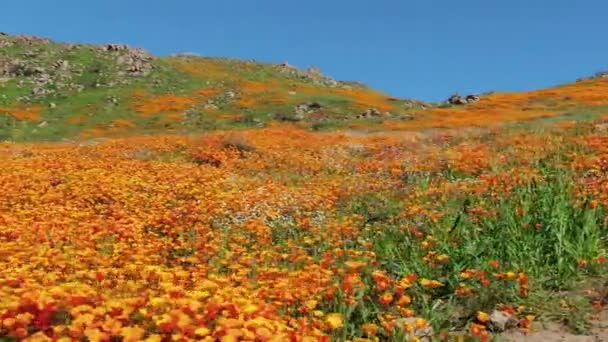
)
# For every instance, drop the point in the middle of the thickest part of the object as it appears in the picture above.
(50, 91)
(53, 90)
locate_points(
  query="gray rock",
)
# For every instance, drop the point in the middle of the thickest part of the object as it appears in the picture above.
(314, 70)
(116, 47)
(307, 108)
(601, 127)
(112, 100)
(423, 334)
(312, 74)
(61, 65)
(31, 40)
(136, 61)
(456, 99)
(372, 113)
(40, 91)
(500, 321)
(31, 54)
(406, 117)
(289, 118)
(472, 98)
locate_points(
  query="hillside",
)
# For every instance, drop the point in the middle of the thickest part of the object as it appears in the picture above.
(51, 90)
(585, 98)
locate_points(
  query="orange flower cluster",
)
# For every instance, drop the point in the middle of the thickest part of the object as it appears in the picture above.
(167, 103)
(23, 113)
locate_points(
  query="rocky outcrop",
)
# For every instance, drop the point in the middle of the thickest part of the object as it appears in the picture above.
(29, 40)
(372, 113)
(457, 99)
(312, 74)
(307, 108)
(133, 61)
(288, 118)
(116, 47)
(49, 71)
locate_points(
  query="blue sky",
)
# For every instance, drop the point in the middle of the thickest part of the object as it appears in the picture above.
(423, 49)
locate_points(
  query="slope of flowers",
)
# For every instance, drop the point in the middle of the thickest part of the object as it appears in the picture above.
(513, 107)
(263, 87)
(24, 113)
(277, 234)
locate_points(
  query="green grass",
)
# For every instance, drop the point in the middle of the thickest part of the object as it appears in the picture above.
(540, 228)
(101, 76)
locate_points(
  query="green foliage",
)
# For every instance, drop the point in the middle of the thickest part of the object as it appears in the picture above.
(539, 228)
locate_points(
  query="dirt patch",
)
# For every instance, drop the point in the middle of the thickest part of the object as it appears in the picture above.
(598, 332)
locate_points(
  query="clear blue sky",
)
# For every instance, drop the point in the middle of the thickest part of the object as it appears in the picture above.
(424, 49)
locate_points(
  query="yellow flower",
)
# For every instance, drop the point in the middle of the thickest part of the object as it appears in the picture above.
(202, 332)
(94, 335)
(482, 316)
(354, 265)
(132, 334)
(442, 258)
(250, 308)
(310, 304)
(154, 338)
(370, 329)
(421, 323)
(430, 283)
(335, 320)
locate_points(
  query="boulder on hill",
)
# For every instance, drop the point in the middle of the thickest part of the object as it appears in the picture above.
(372, 113)
(116, 47)
(136, 61)
(307, 108)
(312, 74)
(29, 40)
(314, 70)
(602, 74)
(288, 118)
(457, 99)
(472, 98)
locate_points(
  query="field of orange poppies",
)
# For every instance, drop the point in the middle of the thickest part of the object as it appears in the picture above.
(283, 234)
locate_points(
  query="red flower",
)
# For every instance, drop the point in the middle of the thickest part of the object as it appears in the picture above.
(386, 298)
(494, 264)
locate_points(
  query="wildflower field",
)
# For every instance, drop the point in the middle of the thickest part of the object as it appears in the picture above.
(283, 234)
